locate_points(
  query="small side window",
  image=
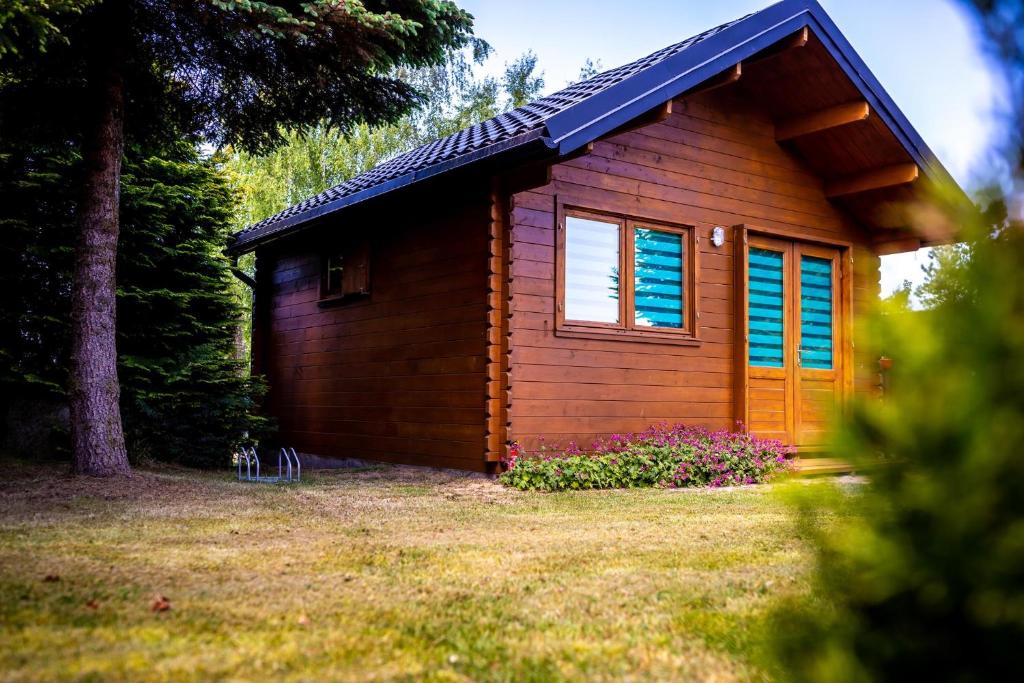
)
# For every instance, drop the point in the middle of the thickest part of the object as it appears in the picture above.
(334, 266)
(345, 272)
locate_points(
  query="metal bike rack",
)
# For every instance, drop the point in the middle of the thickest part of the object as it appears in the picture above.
(289, 469)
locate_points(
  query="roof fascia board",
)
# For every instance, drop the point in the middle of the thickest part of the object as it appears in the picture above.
(281, 228)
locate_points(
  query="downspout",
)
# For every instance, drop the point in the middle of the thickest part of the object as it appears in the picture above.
(243, 276)
(251, 284)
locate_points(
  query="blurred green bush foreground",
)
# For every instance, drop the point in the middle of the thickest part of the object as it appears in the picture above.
(929, 584)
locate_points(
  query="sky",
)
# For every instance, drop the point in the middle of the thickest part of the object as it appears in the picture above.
(924, 52)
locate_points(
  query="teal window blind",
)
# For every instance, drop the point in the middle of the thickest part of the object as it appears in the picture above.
(765, 308)
(815, 312)
(658, 278)
(591, 270)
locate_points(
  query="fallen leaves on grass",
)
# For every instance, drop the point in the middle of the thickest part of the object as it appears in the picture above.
(160, 603)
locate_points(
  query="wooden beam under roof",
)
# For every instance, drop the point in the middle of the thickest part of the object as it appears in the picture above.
(896, 246)
(798, 39)
(823, 119)
(872, 179)
(727, 77)
(656, 115)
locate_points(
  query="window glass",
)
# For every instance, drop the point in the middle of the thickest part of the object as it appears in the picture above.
(765, 314)
(591, 270)
(346, 271)
(335, 268)
(815, 312)
(658, 278)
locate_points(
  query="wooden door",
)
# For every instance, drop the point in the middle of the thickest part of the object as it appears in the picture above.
(793, 340)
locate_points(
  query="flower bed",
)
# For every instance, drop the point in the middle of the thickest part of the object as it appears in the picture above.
(662, 456)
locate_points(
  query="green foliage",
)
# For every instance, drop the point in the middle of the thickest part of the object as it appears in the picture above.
(520, 83)
(234, 73)
(327, 61)
(184, 395)
(643, 468)
(929, 583)
(35, 271)
(211, 71)
(945, 275)
(308, 163)
(28, 26)
(589, 69)
(661, 456)
(900, 298)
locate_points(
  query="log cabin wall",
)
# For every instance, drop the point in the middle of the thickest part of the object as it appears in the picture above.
(713, 161)
(398, 375)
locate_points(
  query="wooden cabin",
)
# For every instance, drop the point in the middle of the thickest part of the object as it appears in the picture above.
(686, 238)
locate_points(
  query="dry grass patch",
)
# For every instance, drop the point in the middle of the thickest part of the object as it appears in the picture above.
(383, 574)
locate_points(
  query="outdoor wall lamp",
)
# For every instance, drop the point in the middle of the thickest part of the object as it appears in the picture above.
(718, 236)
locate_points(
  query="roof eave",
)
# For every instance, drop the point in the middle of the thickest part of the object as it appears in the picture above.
(526, 144)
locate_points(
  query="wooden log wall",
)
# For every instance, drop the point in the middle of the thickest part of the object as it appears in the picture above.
(455, 353)
(713, 161)
(498, 275)
(399, 375)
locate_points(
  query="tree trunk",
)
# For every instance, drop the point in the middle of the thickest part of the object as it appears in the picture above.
(97, 437)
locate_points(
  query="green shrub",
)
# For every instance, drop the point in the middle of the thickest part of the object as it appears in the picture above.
(661, 456)
(927, 583)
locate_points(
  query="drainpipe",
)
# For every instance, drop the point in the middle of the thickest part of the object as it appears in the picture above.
(251, 284)
(242, 275)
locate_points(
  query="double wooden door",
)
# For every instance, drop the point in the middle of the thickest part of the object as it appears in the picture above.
(794, 340)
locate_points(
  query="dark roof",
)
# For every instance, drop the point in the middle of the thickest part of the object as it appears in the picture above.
(568, 119)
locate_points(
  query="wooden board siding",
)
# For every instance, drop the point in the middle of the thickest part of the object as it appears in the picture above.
(713, 161)
(399, 375)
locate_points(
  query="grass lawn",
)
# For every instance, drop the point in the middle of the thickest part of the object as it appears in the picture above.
(383, 574)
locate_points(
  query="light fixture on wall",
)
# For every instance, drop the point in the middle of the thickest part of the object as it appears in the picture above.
(718, 236)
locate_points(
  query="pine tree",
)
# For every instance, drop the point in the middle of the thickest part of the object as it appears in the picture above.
(184, 396)
(225, 71)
